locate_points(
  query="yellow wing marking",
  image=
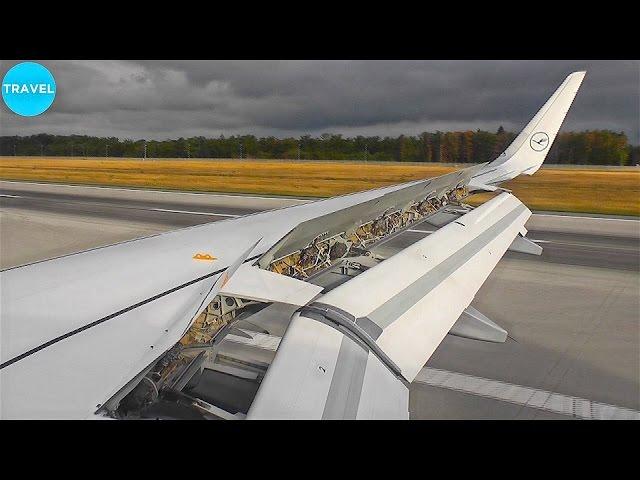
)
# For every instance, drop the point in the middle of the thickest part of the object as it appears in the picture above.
(204, 256)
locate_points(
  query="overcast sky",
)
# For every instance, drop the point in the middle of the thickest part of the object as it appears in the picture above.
(171, 99)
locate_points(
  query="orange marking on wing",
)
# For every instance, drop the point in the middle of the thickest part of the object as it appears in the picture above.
(204, 256)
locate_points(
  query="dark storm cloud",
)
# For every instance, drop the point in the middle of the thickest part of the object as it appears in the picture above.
(168, 99)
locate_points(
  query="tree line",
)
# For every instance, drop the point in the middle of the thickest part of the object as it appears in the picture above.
(593, 147)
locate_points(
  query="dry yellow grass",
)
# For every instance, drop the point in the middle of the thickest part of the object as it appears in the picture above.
(576, 190)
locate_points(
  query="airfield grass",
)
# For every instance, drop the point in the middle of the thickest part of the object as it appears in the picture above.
(554, 189)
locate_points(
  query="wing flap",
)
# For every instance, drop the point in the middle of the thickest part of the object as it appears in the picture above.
(416, 296)
(381, 327)
(320, 373)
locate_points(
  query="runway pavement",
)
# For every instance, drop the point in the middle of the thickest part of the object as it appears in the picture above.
(118, 213)
(573, 313)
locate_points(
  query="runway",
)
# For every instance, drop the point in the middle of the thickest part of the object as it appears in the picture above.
(574, 312)
(608, 243)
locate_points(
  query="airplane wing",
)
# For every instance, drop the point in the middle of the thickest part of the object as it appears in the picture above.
(111, 331)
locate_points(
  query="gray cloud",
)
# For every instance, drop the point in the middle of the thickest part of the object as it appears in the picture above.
(169, 99)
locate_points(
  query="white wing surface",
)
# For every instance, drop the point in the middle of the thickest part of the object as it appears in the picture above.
(352, 353)
(528, 150)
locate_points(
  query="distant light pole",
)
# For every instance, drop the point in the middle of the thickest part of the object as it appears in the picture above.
(14, 149)
(84, 150)
(41, 150)
(145, 150)
(240, 150)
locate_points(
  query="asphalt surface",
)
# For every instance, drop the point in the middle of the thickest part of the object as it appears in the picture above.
(607, 249)
(573, 313)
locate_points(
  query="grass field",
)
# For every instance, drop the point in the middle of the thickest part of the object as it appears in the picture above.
(556, 189)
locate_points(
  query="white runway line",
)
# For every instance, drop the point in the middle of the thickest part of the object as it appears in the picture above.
(525, 396)
(265, 197)
(587, 217)
(166, 210)
(584, 245)
(484, 387)
(122, 189)
(192, 212)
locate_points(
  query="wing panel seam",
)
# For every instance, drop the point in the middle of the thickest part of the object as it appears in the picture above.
(113, 315)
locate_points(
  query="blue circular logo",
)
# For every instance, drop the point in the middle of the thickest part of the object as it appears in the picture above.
(28, 89)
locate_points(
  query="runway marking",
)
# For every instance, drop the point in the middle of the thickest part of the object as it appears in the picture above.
(588, 217)
(528, 397)
(303, 200)
(148, 209)
(586, 245)
(296, 199)
(190, 212)
(228, 215)
(484, 387)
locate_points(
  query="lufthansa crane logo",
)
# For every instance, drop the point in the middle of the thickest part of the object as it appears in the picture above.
(539, 141)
